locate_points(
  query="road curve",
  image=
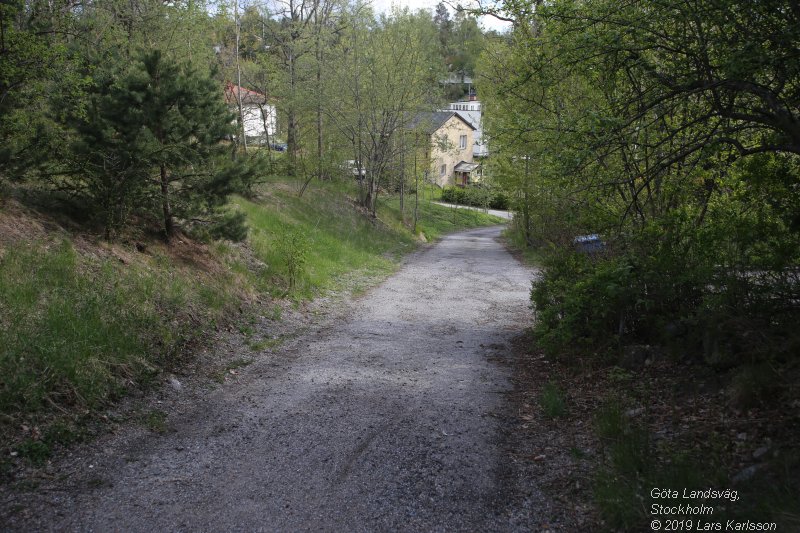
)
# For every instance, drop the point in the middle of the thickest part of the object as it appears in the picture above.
(508, 215)
(386, 420)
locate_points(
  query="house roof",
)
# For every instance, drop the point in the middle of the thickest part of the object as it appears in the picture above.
(248, 96)
(431, 121)
(463, 166)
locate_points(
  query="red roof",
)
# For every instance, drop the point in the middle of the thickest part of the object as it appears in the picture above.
(248, 97)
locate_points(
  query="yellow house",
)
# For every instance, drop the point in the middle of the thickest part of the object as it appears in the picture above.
(447, 139)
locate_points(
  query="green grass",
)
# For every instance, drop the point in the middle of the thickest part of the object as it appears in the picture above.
(76, 331)
(516, 241)
(154, 420)
(339, 239)
(553, 401)
(266, 344)
(79, 328)
(434, 220)
(68, 331)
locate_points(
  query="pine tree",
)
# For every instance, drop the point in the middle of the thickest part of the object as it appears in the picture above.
(156, 134)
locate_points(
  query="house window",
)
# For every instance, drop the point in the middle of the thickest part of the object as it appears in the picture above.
(462, 141)
(443, 170)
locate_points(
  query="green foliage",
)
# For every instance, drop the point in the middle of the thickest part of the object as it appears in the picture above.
(581, 302)
(696, 292)
(437, 220)
(553, 400)
(293, 245)
(77, 332)
(36, 64)
(634, 464)
(35, 451)
(389, 70)
(231, 225)
(153, 117)
(476, 196)
(596, 128)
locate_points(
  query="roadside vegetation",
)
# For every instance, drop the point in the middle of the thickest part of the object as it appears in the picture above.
(476, 196)
(140, 212)
(85, 321)
(688, 171)
(434, 221)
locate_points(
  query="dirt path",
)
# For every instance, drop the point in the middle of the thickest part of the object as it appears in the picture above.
(388, 419)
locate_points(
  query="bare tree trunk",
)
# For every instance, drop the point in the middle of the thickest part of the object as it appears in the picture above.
(265, 115)
(416, 185)
(319, 106)
(169, 225)
(291, 120)
(403, 177)
(239, 75)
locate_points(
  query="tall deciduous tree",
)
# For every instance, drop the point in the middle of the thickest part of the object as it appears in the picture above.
(388, 69)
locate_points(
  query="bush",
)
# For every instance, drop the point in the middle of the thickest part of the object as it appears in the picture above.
(579, 301)
(553, 401)
(666, 287)
(230, 225)
(294, 247)
(476, 197)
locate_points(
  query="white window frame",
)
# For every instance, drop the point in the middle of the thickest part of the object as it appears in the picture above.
(462, 142)
(443, 170)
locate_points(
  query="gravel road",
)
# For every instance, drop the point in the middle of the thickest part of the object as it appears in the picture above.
(388, 418)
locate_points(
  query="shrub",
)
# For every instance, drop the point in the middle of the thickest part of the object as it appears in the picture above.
(553, 401)
(476, 197)
(294, 247)
(579, 301)
(231, 225)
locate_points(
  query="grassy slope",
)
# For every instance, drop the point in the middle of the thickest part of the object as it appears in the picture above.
(82, 321)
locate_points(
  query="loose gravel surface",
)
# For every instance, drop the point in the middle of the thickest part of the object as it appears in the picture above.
(390, 416)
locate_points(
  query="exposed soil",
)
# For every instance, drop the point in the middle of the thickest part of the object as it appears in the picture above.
(390, 412)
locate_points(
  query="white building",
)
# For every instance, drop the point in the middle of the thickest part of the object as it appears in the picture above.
(471, 111)
(259, 115)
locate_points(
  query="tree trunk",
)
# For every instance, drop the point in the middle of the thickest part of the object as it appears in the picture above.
(169, 226)
(403, 177)
(291, 121)
(239, 77)
(372, 196)
(416, 188)
(319, 109)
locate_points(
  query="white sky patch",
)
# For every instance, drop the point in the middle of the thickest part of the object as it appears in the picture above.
(487, 23)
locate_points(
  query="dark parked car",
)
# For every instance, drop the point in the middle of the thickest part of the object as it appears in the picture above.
(278, 147)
